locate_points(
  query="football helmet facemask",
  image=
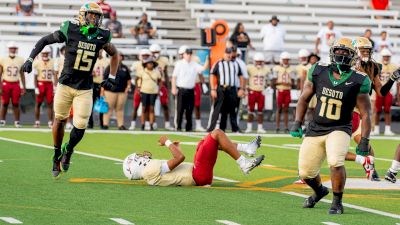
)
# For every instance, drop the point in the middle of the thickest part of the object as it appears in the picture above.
(340, 59)
(90, 17)
(361, 44)
(134, 164)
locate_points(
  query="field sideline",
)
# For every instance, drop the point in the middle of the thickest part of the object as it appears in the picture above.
(96, 192)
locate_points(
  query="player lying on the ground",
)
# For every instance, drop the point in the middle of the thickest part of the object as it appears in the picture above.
(395, 168)
(200, 172)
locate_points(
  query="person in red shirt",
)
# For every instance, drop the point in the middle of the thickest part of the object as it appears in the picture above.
(106, 8)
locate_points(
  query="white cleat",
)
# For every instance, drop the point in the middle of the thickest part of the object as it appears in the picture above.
(388, 133)
(248, 130)
(17, 124)
(2, 123)
(169, 128)
(50, 124)
(251, 163)
(375, 132)
(36, 125)
(253, 146)
(200, 129)
(261, 131)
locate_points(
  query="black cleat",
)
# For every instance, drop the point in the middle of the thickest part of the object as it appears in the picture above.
(390, 176)
(336, 208)
(313, 199)
(66, 157)
(374, 176)
(56, 168)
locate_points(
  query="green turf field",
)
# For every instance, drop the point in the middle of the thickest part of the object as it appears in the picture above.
(95, 190)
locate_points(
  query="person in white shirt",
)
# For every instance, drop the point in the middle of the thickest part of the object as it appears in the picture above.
(325, 38)
(383, 42)
(273, 36)
(183, 82)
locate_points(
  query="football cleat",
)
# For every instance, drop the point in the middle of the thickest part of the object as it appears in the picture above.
(2, 123)
(248, 130)
(56, 171)
(300, 181)
(336, 208)
(261, 131)
(17, 124)
(198, 129)
(375, 176)
(66, 157)
(36, 125)
(253, 146)
(251, 163)
(390, 176)
(313, 199)
(388, 133)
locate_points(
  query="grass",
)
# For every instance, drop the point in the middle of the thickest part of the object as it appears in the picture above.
(95, 190)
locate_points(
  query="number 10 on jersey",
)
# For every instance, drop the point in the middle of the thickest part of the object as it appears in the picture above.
(327, 111)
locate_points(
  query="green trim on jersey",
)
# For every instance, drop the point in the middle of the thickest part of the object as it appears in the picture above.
(366, 86)
(311, 71)
(64, 29)
(343, 77)
(109, 38)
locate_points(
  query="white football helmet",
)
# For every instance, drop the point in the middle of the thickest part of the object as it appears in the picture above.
(155, 48)
(134, 164)
(258, 57)
(12, 44)
(285, 55)
(386, 52)
(144, 51)
(303, 53)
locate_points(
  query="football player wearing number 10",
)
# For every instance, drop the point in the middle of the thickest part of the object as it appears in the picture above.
(84, 39)
(338, 89)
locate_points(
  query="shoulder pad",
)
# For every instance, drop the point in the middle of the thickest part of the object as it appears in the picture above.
(362, 73)
(323, 63)
(73, 21)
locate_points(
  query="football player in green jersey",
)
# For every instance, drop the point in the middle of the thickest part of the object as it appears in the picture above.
(84, 39)
(338, 89)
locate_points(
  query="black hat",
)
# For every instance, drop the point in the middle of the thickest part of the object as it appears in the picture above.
(228, 50)
(313, 55)
(274, 17)
(150, 60)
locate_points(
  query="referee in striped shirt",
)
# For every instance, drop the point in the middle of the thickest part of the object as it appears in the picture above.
(223, 79)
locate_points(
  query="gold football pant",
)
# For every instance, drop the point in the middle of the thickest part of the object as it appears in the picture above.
(80, 100)
(314, 150)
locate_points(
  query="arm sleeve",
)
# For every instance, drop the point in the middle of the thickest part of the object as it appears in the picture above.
(366, 86)
(106, 72)
(386, 88)
(56, 37)
(310, 72)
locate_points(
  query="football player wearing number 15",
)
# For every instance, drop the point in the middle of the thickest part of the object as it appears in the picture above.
(83, 39)
(338, 89)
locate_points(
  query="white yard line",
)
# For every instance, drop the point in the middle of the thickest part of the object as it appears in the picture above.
(330, 223)
(190, 134)
(121, 221)
(373, 211)
(10, 220)
(92, 155)
(227, 222)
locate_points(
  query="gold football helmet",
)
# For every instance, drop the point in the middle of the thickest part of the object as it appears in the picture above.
(363, 45)
(341, 58)
(86, 20)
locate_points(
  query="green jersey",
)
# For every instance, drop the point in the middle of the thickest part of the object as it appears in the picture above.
(81, 53)
(336, 99)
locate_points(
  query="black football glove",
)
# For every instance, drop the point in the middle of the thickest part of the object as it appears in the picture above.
(395, 75)
(296, 130)
(363, 147)
(27, 67)
(109, 83)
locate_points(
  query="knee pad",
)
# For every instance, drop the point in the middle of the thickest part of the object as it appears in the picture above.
(303, 174)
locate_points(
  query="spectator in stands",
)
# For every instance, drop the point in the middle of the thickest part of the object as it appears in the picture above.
(114, 25)
(106, 8)
(116, 96)
(143, 31)
(240, 39)
(383, 42)
(368, 34)
(384, 102)
(150, 80)
(25, 7)
(325, 38)
(283, 80)
(273, 36)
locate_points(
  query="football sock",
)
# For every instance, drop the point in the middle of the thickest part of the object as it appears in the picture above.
(249, 126)
(241, 160)
(241, 147)
(57, 152)
(337, 197)
(395, 168)
(167, 124)
(75, 137)
(360, 159)
(387, 128)
(260, 126)
(316, 186)
(198, 123)
(133, 123)
(376, 128)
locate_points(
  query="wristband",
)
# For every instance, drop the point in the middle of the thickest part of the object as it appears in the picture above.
(30, 59)
(111, 76)
(168, 143)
